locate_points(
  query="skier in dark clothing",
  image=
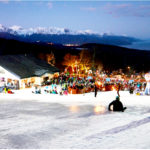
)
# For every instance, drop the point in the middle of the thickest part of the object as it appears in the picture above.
(131, 89)
(118, 89)
(117, 105)
(95, 90)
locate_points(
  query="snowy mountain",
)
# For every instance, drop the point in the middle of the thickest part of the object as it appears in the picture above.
(62, 36)
(41, 30)
(3, 29)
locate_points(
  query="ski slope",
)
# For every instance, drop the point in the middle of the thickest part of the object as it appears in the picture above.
(75, 121)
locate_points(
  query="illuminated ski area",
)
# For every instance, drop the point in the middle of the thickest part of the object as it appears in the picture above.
(75, 121)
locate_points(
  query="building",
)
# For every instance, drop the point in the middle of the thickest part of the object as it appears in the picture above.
(22, 71)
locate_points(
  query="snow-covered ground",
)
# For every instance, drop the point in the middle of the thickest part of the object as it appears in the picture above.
(75, 121)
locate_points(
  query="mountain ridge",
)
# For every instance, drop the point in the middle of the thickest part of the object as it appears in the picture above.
(63, 36)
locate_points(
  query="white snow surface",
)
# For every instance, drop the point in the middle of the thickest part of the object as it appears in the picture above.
(49, 121)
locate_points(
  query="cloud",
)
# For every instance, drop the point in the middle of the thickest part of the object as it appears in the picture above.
(116, 6)
(118, 10)
(144, 6)
(4, 1)
(88, 8)
(50, 5)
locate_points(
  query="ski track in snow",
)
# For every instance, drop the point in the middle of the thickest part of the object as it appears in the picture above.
(116, 130)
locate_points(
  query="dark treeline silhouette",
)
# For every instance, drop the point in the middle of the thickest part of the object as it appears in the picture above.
(115, 57)
(112, 57)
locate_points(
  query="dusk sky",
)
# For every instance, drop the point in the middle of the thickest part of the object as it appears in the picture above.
(131, 18)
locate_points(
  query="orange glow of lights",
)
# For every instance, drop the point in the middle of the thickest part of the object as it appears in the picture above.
(99, 83)
(113, 88)
(99, 110)
(128, 67)
(74, 109)
(103, 89)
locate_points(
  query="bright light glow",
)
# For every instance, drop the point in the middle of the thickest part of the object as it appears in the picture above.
(113, 88)
(147, 77)
(74, 109)
(111, 107)
(99, 83)
(128, 67)
(103, 89)
(99, 109)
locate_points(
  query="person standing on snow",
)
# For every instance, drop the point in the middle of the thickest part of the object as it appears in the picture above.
(118, 88)
(95, 90)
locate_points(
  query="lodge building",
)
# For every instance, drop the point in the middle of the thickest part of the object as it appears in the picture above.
(22, 71)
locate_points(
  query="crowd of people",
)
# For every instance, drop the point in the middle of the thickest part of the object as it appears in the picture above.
(5, 89)
(61, 85)
(64, 84)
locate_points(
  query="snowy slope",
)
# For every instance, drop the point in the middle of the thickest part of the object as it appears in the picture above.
(53, 121)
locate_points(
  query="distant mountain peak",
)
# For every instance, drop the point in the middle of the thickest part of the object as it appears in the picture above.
(15, 29)
(18, 30)
(62, 35)
(2, 28)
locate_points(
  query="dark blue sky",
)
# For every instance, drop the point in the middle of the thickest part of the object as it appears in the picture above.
(131, 18)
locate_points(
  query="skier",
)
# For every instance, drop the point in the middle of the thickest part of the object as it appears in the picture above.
(95, 90)
(131, 89)
(118, 88)
(117, 105)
